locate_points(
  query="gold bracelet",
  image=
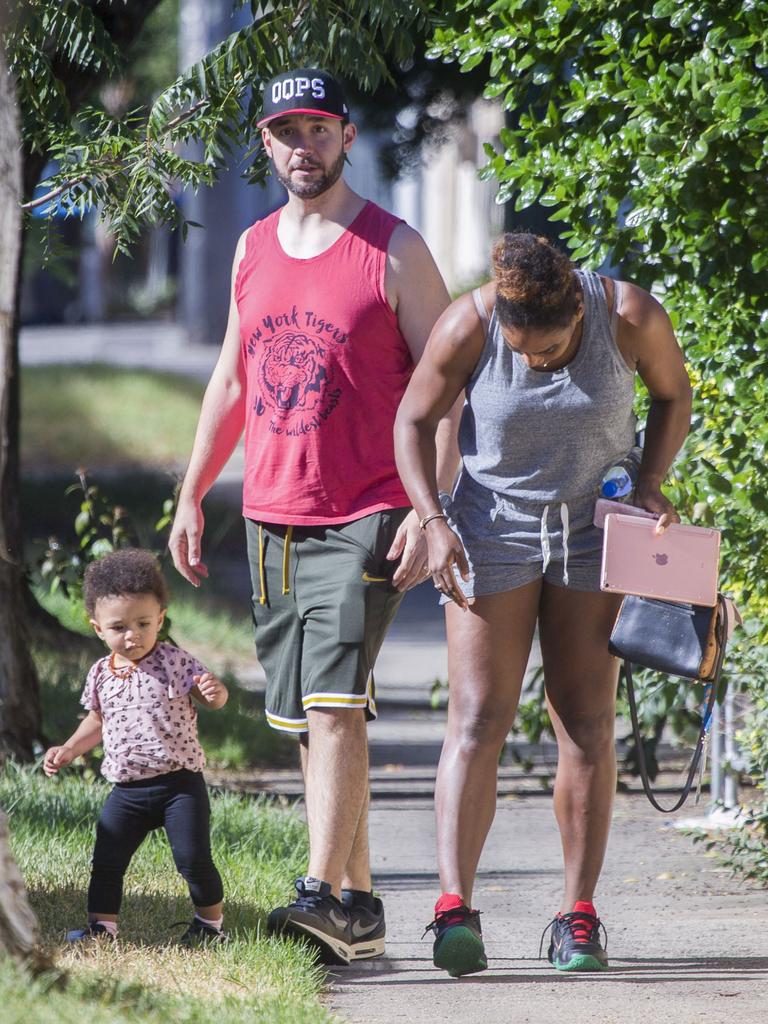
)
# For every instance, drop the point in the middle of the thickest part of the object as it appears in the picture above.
(429, 518)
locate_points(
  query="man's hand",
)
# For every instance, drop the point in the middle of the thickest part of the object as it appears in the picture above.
(411, 544)
(57, 757)
(184, 543)
(650, 497)
(445, 552)
(213, 692)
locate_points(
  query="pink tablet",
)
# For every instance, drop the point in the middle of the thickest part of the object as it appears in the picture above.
(680, 564)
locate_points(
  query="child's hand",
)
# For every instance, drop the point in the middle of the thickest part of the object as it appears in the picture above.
(211, 689)
(57, 757)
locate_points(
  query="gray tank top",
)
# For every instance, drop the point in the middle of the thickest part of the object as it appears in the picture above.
(539, 436)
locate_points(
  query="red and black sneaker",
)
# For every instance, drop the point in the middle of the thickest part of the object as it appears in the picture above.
(575, 940)
(458, 946)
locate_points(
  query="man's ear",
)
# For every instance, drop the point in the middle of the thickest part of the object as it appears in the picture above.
(349, 135)
(266, 140)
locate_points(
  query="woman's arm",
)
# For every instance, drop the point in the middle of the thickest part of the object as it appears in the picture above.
(648, 341)
(451, 354)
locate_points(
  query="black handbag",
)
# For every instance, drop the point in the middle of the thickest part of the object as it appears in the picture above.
(680, 640)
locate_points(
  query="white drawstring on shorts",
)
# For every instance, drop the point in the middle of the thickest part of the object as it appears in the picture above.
(546, 550)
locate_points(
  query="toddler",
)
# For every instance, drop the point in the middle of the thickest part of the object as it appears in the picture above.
(140, 702)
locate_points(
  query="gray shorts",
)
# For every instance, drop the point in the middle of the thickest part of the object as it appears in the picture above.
(510, 543)
(322, 602)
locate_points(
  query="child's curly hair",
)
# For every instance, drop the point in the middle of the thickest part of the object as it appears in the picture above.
(128, 571)
(535, 283)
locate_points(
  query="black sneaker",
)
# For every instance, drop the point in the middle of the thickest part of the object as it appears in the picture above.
(575, 940)
(366, 924)
(93, 930)
(200, 934)
(458, 946)
(318, 916)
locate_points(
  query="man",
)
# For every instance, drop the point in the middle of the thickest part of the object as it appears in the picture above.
(332, 303)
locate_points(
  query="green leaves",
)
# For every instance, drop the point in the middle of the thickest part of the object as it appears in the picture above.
(133, 168)
(644, 128)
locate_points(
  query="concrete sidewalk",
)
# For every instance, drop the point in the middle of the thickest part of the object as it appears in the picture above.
(686, 942)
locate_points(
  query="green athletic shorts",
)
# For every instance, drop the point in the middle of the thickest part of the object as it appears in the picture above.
(322, 602)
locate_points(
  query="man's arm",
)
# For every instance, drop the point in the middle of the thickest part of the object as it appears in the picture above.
(218, 430)
(648, 341)
(417, 294)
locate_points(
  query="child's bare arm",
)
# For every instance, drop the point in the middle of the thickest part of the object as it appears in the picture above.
(84, 738)
(210, 691)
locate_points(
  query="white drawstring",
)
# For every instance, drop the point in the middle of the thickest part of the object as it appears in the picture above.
(546, 550)
(566, 521)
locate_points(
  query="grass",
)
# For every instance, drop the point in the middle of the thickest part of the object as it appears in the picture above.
(95, 415)
(145, 976)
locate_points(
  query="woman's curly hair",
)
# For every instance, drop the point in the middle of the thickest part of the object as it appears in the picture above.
(535, 283)
(128, 571)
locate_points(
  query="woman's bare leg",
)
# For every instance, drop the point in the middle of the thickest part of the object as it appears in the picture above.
(488, 648)
(580, 678)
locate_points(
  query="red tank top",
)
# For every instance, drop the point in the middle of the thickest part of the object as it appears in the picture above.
(326, 367)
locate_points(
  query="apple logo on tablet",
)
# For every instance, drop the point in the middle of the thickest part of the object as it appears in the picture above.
(661, 559)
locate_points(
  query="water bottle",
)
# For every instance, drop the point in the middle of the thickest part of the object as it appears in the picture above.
(617, 482)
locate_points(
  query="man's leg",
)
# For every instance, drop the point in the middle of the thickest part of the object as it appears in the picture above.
(334, 757)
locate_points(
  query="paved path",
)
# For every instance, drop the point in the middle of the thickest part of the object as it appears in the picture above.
(686, 943)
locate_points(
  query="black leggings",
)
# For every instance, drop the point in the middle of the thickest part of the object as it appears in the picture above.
(177, 801)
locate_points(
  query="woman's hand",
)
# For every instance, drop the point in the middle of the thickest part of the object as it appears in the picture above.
(649, 496)
(410, 547)
(446, 550)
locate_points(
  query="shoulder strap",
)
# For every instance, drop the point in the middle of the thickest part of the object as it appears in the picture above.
(711, 695)
(617, 294)
(482, 312)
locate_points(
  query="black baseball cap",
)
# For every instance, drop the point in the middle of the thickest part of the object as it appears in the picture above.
(303, 91)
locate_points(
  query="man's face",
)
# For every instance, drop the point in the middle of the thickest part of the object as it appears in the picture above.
(308, 151)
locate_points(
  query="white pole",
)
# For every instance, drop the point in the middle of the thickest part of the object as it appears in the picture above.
(730, 754)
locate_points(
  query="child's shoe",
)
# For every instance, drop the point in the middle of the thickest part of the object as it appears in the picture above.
(200, 934)
(93, 930)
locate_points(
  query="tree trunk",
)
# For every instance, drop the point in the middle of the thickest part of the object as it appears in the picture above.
(18, 925)
(19, 692)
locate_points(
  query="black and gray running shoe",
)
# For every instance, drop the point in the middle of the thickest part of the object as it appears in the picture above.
(458, 946)
(316, 915)
(366, 924)
(575, 940)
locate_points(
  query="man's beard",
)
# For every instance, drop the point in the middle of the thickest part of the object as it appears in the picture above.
(312, 189)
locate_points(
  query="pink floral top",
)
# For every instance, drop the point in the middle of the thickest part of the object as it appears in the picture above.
(149, 718)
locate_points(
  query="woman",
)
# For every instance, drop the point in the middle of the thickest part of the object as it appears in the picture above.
(546, 355)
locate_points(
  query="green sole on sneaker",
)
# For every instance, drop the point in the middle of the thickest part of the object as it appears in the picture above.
(581, 962)
(459, 951)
